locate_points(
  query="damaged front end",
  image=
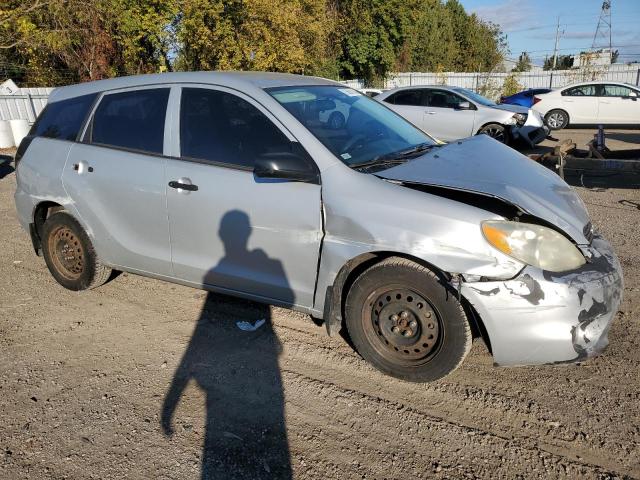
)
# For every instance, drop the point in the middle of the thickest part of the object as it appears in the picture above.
(544, 317)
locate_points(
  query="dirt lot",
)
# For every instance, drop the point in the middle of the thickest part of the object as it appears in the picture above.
(132, 379)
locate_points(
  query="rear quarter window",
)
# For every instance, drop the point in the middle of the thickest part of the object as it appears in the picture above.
(62, 120)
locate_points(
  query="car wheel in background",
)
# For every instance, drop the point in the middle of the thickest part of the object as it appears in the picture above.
(336, 121)
(557, 119)
(405, 322)
(495, 131)
(69, 254)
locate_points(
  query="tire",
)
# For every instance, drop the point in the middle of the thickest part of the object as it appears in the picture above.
(496, 131)
(336, 121)
(556, 119)
(69, 254)
(405, 322)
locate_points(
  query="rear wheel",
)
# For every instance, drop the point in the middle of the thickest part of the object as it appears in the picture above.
(69, 254)
(495, 131)
(405, 322)
(557, 119)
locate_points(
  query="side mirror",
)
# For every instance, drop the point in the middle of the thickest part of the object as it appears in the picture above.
(286, 166)
(633, 94)
(464, 106)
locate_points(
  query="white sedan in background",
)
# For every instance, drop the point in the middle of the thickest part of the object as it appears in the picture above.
(603, 102)
(452, 113)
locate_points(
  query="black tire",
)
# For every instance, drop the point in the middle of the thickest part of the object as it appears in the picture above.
(435, 336)
(336, 121)
(556, 119)
(70, 255)
(496, 131)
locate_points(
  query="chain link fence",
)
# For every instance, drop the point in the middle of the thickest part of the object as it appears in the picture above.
(492, 84)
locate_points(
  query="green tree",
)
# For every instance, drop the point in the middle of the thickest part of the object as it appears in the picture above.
(524, 63)
(290, 36)
(563, 62)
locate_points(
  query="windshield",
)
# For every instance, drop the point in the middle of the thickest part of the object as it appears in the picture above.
(476, 97)
(355, 128)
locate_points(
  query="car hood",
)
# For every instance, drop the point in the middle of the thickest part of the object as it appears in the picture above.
(482, 165)
(511, 108)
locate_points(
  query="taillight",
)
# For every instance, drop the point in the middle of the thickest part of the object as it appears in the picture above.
(22, 148)
(536, 100)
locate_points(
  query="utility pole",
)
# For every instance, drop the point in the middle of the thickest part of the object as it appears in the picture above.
(555, 48)
(603, 30)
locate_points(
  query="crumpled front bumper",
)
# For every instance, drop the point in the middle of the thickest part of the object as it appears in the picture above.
(533, 131)
(545, 317)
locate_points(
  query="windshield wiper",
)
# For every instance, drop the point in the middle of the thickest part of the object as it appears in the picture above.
(422, 147)
(379, 162)
(394, 158)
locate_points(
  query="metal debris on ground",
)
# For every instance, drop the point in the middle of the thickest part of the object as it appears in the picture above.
(249, 327)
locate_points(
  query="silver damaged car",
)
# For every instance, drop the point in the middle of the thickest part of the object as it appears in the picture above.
(236, 183)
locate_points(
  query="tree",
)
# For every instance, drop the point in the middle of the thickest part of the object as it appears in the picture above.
(614, 56)
(524, 63)
(290, 36)
(564, 62)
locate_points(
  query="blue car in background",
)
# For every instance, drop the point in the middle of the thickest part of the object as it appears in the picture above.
(524, 98)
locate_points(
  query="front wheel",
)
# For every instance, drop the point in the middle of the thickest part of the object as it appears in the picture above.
(405, 322)
(557, 119)
(496, 131)
(69, 254)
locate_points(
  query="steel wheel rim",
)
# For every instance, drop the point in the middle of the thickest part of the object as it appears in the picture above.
(66, 253)
(402, 325)
(496, 133)
(556, 120)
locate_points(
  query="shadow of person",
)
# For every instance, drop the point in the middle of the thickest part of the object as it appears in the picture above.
(238, 371)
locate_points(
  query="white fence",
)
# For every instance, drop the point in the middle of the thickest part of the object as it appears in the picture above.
(491, 84)
(26, 103)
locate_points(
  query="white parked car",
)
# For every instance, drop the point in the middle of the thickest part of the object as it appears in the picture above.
(606, 103)
(451, 113)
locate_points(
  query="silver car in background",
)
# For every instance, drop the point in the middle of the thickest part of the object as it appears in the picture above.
(234, 183)
(452, 113)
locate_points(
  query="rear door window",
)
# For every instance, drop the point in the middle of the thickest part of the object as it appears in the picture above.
(408, 97)
(224, 128)
(443, 99)
(62, 120)
(581, 91)
(132, 120)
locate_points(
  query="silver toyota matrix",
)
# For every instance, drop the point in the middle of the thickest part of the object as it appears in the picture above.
(249, 185)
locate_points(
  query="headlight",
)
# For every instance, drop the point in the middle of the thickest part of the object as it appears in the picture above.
(518, 119)
(539, 246)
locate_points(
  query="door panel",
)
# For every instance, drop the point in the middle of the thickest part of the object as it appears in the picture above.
(412, 113)
(120, 194)
(581, 103)
(122, 201)
(255, 236)
(616, 105)
(244, 234)
(443, 119)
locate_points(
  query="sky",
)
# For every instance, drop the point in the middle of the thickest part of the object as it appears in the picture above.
(530, 25)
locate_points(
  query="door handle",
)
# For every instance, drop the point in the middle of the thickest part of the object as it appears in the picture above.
(183, 186)
(430, 112)
(82, 167)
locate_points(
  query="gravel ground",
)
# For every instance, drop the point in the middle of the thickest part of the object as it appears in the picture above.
(132, 380)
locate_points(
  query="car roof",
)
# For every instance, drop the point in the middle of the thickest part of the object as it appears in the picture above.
(411, 87)
(245, 81)
(595, 82)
